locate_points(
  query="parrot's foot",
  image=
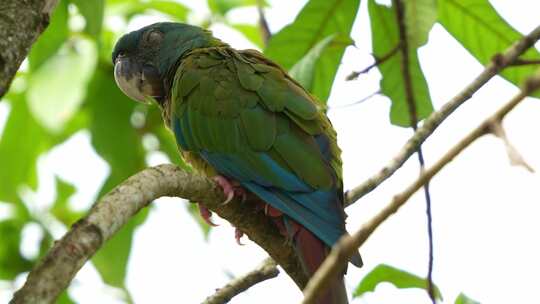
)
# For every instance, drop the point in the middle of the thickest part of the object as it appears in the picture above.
(238, 235)
(271, 211)
(206, 215)
(230, 188)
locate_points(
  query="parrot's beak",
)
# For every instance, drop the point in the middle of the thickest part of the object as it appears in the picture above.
(139, 82)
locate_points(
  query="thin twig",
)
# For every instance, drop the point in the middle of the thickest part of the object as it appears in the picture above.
(356, 102)
(347, 245)
(267, 270)
(263, 23)
(378, 61)
(411, 105)
(521, 62)
(54, 272)
(436, 118)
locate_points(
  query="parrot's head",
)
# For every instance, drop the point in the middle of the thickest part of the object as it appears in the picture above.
(143, 60)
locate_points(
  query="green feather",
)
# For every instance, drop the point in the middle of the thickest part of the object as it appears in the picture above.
(260, 128)
(304, 158)
(299, 103)
(241, 103)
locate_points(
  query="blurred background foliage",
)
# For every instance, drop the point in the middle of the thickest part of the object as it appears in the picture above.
(66, 86)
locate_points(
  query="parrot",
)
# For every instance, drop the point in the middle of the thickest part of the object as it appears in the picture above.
(241, 119)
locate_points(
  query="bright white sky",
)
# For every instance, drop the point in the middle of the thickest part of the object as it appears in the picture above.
(484, 210)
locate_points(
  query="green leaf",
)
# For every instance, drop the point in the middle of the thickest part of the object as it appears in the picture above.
(399, 278)
(112, 259)
(463, 299)
(304, 70)
(57, 88)
(52, 39)
(177, 11)
(174, 9)
(167, 143)
(221, 7)
(11, 261)
(250, 31)
(22, 141)
(317, 19)
(420, 15)
(484, 33)
(107, 42)
(385, 37)
(92, 12)
(114, 2)
(113, 136)
(64, 298)
(116, 141)
(61, 209)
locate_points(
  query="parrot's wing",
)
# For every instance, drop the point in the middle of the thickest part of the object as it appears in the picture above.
(251, 122)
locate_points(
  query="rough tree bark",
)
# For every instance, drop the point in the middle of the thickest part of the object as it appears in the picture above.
(21, 22)
(56, 270)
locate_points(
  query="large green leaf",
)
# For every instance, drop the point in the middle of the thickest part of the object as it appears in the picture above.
(64, 298)
(57, 88)
(11, 261)
(119, 144)
(463, 299)
(167, 143)
(317, 20)
(107, 42)
(399, 278)
(303, 71)
(385, 37)
(250, 31)
(420, 15)
(221, 7)
(174, 9)
(484, 33)
(22, 141)
(114, 2)
(61, 209)
(112, 259)
(92, 12)
(52, 39)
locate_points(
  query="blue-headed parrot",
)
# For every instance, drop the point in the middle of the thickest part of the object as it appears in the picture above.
(239, 117)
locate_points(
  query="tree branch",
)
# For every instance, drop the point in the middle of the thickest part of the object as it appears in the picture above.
(347, 245)
(21, 22)
(413, 117)
(498, 63)
(267, 270)
(54, 272)
(263, 23)
(356, 102)
(378, 61)
(520, 62)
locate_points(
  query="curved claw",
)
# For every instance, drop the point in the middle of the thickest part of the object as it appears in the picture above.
(230, 196)
(206, 214)
(238, 235)
(230, 188)
(227, 187)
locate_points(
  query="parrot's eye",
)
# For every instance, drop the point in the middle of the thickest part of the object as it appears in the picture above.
(154, 37)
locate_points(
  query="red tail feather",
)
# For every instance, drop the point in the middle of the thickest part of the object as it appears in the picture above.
(311, 252)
